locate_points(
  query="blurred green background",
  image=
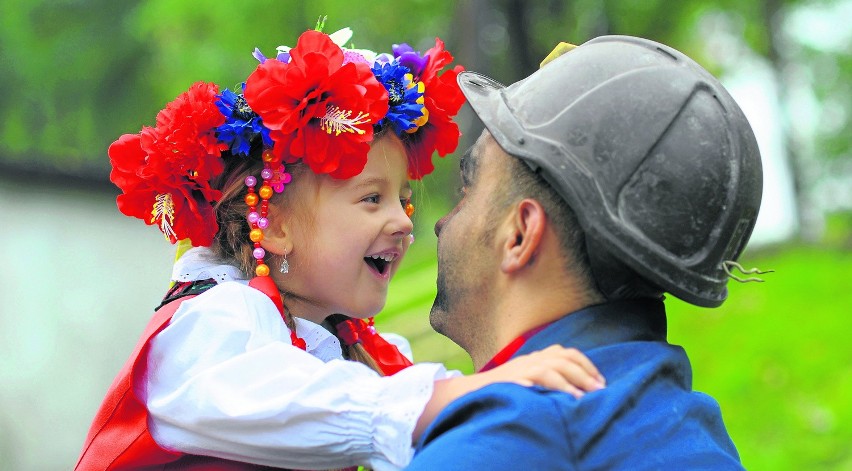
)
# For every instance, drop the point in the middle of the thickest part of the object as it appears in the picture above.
(78, 280)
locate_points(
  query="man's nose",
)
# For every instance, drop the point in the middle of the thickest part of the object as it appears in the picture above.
(439, 226)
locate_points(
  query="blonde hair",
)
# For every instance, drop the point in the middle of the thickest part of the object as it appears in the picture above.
(232, 245)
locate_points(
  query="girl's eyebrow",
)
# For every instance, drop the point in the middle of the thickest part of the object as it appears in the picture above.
(371, 181)
(378, 181)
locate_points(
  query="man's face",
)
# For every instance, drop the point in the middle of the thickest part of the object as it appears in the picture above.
(467, 255)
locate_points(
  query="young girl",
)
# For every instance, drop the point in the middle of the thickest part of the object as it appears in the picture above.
(295, 196)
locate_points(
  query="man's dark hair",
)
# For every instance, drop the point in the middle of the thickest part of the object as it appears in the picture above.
(520, 182)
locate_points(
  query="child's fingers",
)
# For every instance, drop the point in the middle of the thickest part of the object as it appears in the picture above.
(578, 377)
(570, 389)
(560, 380)
(583, 361)
(556, 367)
(574, 366)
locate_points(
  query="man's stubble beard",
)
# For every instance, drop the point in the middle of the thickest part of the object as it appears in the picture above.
(457, 312)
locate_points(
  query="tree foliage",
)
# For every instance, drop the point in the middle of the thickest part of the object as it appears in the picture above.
(80, 73)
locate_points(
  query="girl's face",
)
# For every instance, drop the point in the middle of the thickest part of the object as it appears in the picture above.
(352, 238)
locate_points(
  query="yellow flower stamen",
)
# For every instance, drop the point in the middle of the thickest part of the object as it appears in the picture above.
(339, 121)
(163, 214)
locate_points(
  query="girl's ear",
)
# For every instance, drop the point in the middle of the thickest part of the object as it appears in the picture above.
(277, 237)
(526, 229)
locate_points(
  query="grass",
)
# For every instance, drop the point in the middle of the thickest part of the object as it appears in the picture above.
(778, 358)
(777, 355)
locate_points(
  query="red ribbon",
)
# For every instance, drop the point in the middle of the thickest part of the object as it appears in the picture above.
(265, 285)
(386, 354)
(349, 331)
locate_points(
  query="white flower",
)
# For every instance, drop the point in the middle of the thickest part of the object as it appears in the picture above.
(341, 37)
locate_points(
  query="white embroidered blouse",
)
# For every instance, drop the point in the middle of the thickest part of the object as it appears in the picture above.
(223, 380)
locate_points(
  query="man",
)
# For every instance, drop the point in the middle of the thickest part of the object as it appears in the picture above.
(619, 171)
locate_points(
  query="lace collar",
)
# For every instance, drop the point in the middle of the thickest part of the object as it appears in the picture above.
(199, 263)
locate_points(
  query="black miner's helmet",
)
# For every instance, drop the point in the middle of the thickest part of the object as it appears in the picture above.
(649, 150)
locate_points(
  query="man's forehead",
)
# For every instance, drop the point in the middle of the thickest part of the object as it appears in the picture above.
(481, 143)
(475, 155)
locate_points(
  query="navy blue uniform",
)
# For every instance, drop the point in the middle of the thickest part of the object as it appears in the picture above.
(647, 417)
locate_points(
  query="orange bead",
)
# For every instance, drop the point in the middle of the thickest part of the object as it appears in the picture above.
(265, 192)
(268, 156)
(262, 270)
(256, 235)
(252, 199)
(409, 209)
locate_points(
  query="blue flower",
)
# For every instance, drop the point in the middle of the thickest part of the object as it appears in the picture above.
(258, 55)
(242, 125)
(282, 56)
(405, 97)
(408, 57)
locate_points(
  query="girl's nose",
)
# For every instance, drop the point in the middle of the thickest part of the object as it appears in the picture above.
(401, 225)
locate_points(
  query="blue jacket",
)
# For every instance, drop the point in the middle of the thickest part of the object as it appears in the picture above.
(647, 417)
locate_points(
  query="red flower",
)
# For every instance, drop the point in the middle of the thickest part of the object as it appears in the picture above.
(443, 99)
(127, 157)
(164, 172)
(317, 108)
(185, 139)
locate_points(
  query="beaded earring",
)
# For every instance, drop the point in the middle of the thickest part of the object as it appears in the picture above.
(409, 211)
(273, 181)
(285, 265)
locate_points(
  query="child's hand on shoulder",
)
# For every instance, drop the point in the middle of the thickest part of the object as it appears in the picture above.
(556, 367)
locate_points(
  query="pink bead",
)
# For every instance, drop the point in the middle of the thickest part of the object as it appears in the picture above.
(286, 177)
(253, 217)
(251, 181)
(262, 223)
(266, 174)
(259, 253)
(278, 187)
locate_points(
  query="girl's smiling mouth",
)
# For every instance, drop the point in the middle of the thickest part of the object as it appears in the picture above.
(380, 263)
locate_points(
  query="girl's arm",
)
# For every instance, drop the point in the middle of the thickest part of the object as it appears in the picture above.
(224, 381)
(555, 367)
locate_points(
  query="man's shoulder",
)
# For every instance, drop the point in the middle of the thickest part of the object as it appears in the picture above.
(500, 426)
(499, 404)
(648, 411)
(503, 398)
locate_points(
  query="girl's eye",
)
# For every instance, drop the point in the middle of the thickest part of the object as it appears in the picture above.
(374, 199)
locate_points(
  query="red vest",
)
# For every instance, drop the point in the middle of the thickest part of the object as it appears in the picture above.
(119, 438)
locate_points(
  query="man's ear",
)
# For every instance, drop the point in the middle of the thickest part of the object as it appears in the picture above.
(277, 237)
(526, 226)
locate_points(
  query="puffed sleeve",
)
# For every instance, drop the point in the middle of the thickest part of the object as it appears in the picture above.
(223, 380)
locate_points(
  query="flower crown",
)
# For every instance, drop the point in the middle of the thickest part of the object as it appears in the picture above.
(318, 102)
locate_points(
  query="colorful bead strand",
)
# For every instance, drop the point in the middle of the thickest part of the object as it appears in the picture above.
(257, 217)
(254, 219)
